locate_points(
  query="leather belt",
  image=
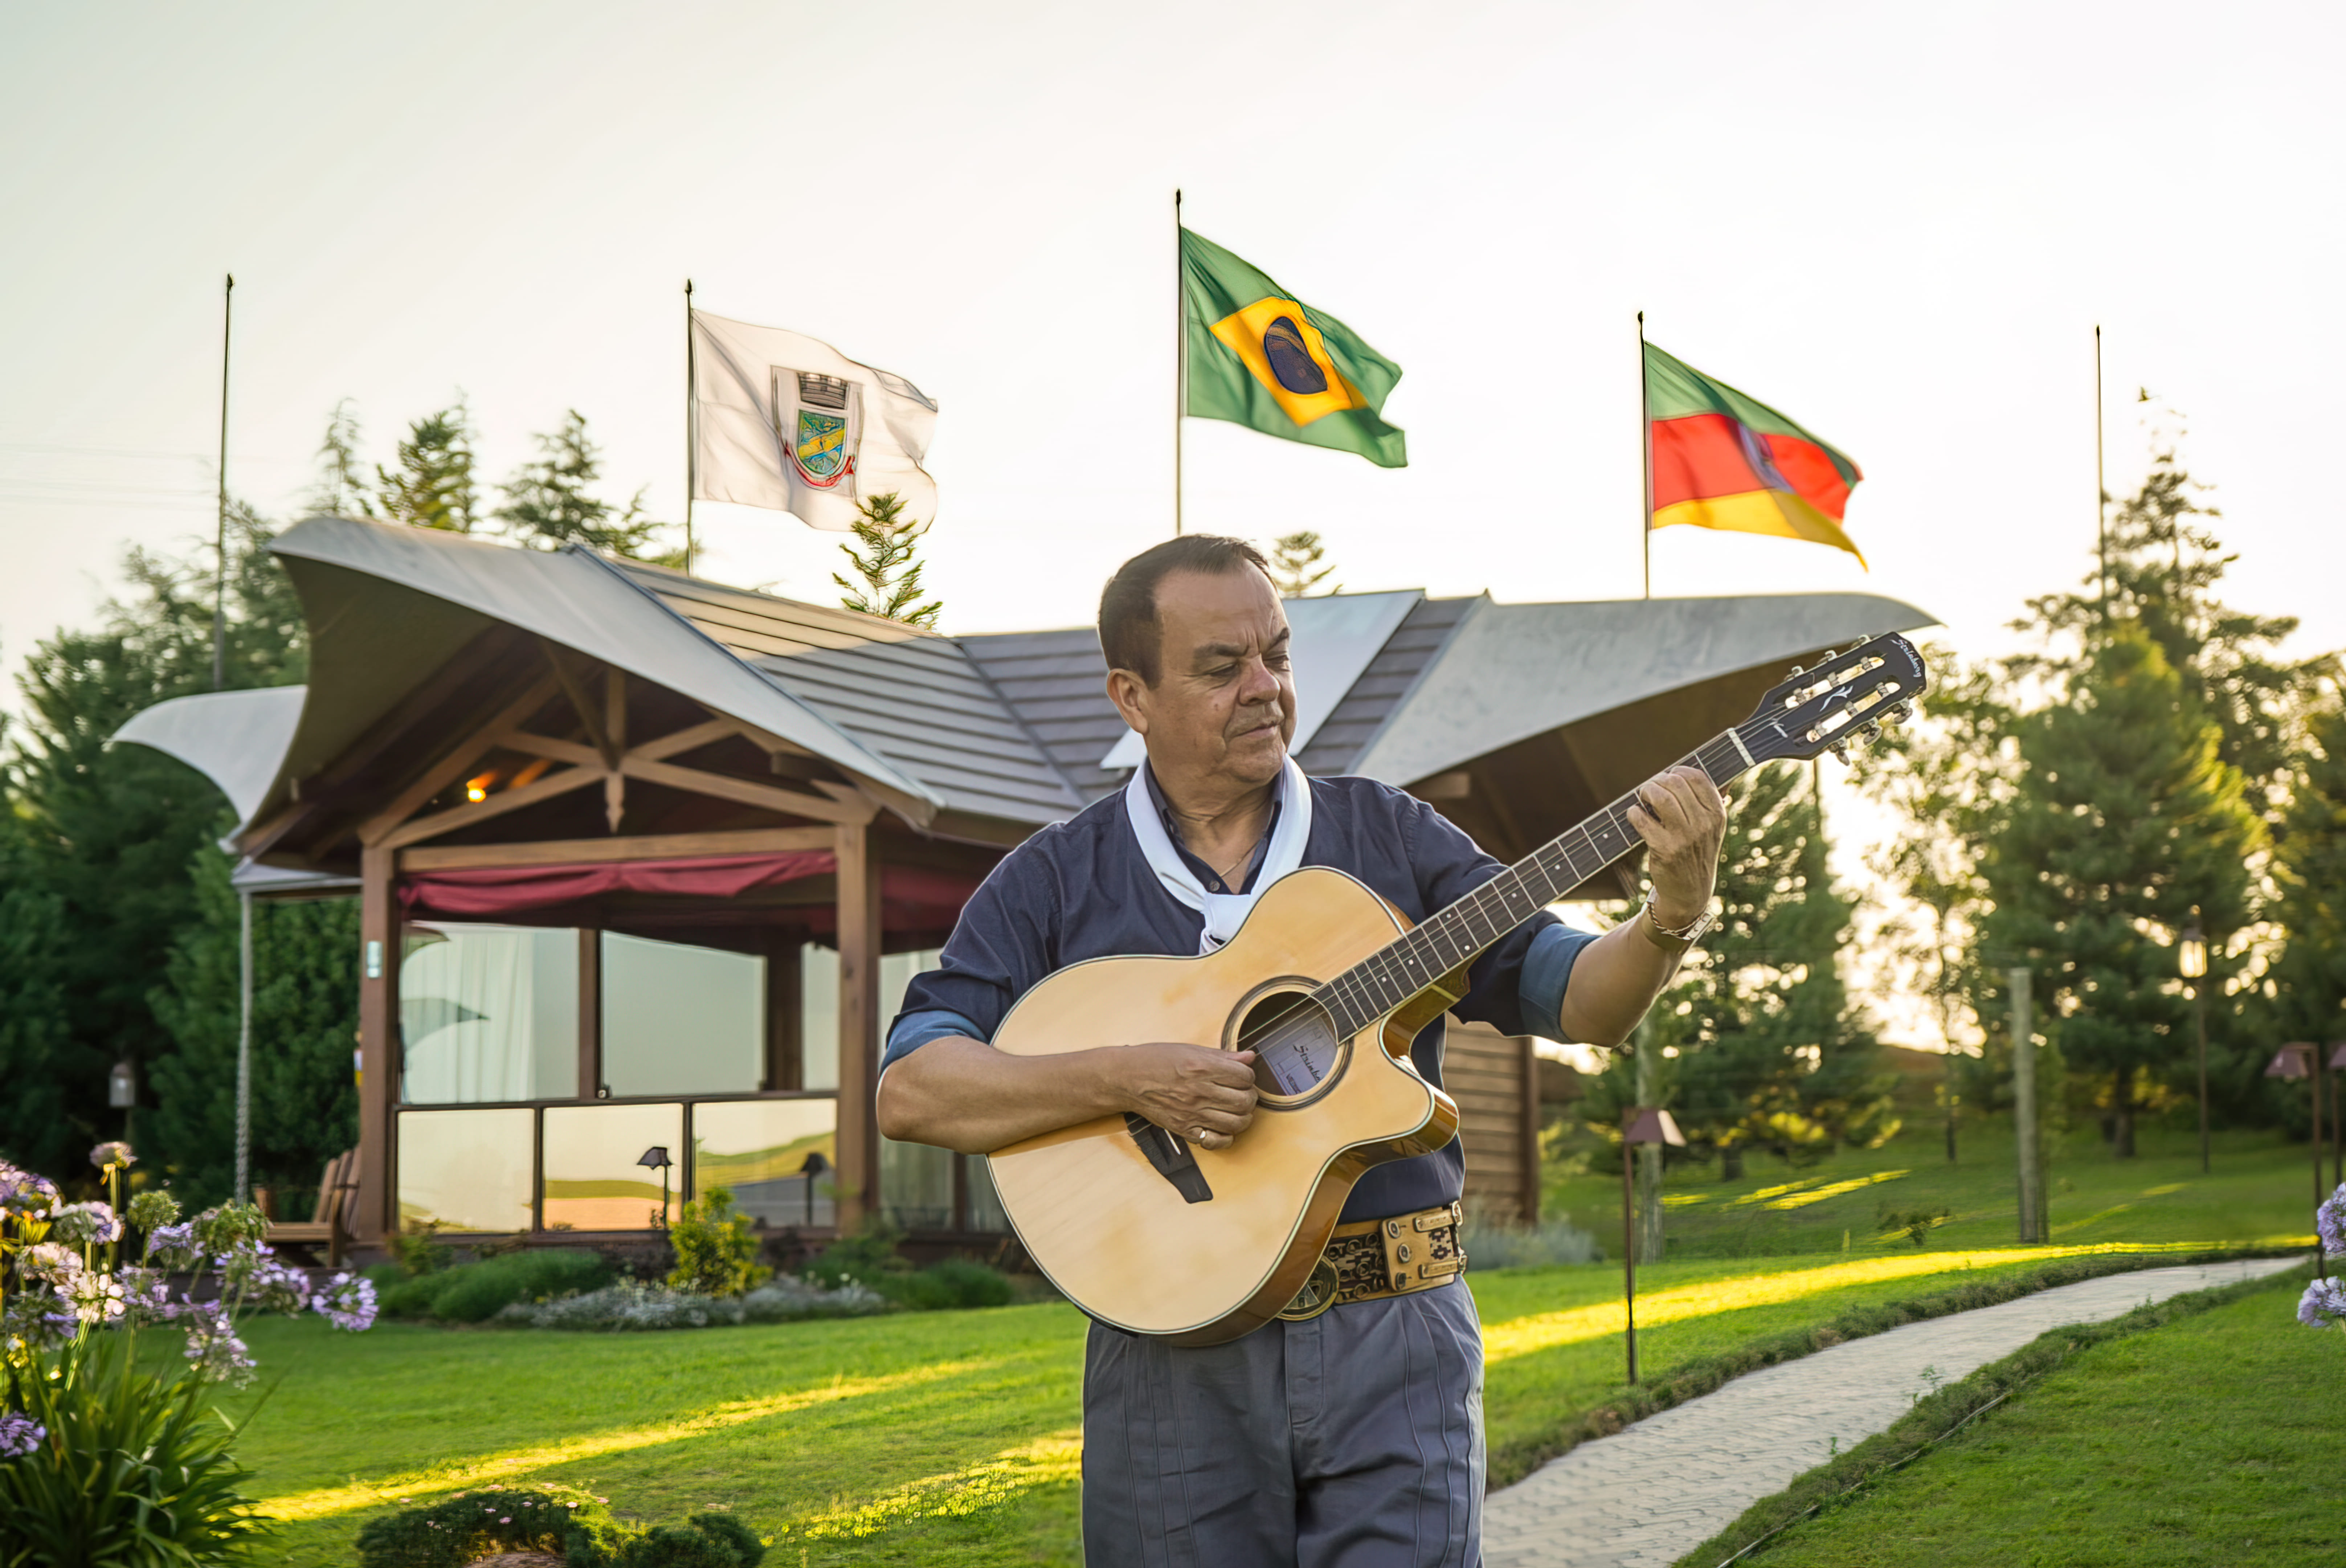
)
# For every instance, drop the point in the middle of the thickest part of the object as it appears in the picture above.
(1375, 1257)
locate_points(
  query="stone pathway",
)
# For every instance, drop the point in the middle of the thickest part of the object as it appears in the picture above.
(1652, 1492)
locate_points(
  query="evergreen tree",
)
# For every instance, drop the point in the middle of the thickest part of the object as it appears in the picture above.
(433, 486)
(2125, 820)
(551, 503)
(304, 1025)
(887, 570)
(1295, 566)
(1769, 1053)
(2309, 982)
(340, 490)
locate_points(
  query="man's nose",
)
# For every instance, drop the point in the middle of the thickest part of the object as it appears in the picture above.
(1261, 686)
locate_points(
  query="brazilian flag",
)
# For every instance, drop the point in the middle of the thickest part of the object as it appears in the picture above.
(1261, 358)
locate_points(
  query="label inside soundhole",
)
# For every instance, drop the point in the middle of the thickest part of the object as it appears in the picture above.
(1294, 1042)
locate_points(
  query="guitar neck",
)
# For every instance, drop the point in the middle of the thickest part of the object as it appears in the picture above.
(1456, 936)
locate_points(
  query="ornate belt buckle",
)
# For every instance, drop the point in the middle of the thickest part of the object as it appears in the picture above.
(1319, 1293)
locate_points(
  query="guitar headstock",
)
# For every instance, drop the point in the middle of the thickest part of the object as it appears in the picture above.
(1846, 697)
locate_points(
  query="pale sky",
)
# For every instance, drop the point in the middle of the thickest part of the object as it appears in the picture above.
(1900, 225)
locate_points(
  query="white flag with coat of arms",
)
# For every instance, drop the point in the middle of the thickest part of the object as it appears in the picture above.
(789, 423)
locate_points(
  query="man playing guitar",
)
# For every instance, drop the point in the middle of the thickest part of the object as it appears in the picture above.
(1351, 1436)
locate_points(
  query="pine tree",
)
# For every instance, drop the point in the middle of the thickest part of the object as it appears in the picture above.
(551, 503)
(340, 490)
(432, 487)
(887, 571)
(2125, 820)
(2310, 867)
(1295, 566)
(304, 1025)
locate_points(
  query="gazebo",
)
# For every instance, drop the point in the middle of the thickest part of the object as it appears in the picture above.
(644, 862)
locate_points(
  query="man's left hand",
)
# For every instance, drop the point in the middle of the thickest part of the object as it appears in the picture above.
(1682, 816)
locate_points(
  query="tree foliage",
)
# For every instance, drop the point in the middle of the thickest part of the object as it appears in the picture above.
(1296, 565)
(887, 567)
(433, 486)
(551, 502)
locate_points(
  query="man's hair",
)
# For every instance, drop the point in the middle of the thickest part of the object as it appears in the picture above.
(1129, 630)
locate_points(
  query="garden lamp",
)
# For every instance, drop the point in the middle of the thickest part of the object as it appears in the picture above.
(2191, 958)
(656, 1157)
(2303, 1059)
(1642, 1125)
(2337, 1127)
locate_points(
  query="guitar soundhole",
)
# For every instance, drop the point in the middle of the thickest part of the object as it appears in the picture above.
(1295, 1040)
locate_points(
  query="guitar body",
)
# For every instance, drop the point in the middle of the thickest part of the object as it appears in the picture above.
(1135, 1245)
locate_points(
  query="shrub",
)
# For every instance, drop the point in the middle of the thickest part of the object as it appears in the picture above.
(716, 1254)
(1915, 1223)
(942, 1287)
(561, 1520)
(475, 1292)
(1492, 1245)
(868, 1256)
(133, 1468)
(627, 1305)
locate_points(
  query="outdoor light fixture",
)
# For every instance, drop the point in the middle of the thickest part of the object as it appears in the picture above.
(477, 789)
(122, 1086)
(656, 1157)
(2303, 1059)
(1643, 1124)
(2191, 958)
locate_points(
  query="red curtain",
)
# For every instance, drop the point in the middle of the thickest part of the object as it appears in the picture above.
(502, 889)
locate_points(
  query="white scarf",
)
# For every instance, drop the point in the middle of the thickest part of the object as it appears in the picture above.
(1224, 912)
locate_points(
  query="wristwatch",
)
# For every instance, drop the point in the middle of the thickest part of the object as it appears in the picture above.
(1681, 938)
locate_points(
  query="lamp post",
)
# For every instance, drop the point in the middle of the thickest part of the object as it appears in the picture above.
(2337, 1129)
(656, 1157)
(2299, 1059)
(1642, 1125)
(2191, 958)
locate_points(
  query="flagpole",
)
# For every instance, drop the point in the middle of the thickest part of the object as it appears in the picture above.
(691, 445)
(219, 548)
(2101, 490)
(1645, 463)
(1180, 359)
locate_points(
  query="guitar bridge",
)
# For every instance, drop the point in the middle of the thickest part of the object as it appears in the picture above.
(1171, 1157)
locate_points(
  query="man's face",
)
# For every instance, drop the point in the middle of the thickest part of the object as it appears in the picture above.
(1223, 707)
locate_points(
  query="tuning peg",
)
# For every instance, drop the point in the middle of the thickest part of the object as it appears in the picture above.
(1796, 669)
(1840, 749)
(1871, 730)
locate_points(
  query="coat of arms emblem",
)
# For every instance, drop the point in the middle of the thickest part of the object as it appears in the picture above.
(819, 422)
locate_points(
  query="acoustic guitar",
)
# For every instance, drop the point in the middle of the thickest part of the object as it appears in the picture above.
(1328, 985)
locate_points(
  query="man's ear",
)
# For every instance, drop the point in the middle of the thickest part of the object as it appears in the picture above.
(1130, 695)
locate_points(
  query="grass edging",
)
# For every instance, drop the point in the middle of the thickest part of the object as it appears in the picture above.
(1941, 1415)
(1705, 1374)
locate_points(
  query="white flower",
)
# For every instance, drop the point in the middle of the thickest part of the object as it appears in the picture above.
(49, 1261)
(93, 1296)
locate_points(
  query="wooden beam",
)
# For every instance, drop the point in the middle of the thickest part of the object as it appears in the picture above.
(691, 738)
(858, 934)
(1527, 1157)
(497, 805)
(590, 1015)
(603, 851)
(377, 1209)
(568, 751)
(589, 713)
(614, 733)
(725, 787)
(458, 761)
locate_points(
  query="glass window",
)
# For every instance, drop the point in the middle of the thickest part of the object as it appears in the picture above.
(818, 1016)
(917, 1185)
(488, 1013)
(595, 1179)
(776, 1156)
(681, 1020)
(465, 1170)
(984, 1203)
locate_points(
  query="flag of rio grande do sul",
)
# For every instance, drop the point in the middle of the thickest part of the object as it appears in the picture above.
(789, 423)
(1722, 460)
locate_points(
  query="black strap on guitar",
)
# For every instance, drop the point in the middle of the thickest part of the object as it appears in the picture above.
(1171, 1157)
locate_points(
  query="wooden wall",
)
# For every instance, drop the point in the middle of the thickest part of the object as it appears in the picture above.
(1493, 1078)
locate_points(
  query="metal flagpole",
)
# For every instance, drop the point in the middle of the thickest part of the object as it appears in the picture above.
(220, 581)
(1181, 358)
(244, 1048)
(2101, 491)
(1646, 460)
(691, 442)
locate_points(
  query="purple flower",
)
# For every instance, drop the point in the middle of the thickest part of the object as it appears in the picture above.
(29, 1195)
(113, 1154)
(213, 1347)
(87, 1223)
(20, 1435)
(2324, 1304)
(2330, 1219)
(173, 1246)
(347, 1302)
(276, 1287)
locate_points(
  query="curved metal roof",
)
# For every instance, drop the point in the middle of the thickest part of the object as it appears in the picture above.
(235, 739)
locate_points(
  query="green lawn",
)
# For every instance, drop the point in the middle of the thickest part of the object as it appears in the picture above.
(2260, 1187)
(2211, 1441)
(952, 1438)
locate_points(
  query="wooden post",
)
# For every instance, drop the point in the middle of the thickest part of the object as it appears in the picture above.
(858, 1177)
(1649, 1156)
(590, 1013)
(1531, 1131)
(2024, 1108)
(376, 1214)
(1629, 1240)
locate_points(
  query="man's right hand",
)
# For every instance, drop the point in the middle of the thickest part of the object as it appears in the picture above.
(1204, 1095)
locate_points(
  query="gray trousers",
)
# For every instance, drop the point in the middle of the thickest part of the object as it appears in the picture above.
(1353, 1441)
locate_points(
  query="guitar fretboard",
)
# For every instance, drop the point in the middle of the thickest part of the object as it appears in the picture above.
(1457, 934)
